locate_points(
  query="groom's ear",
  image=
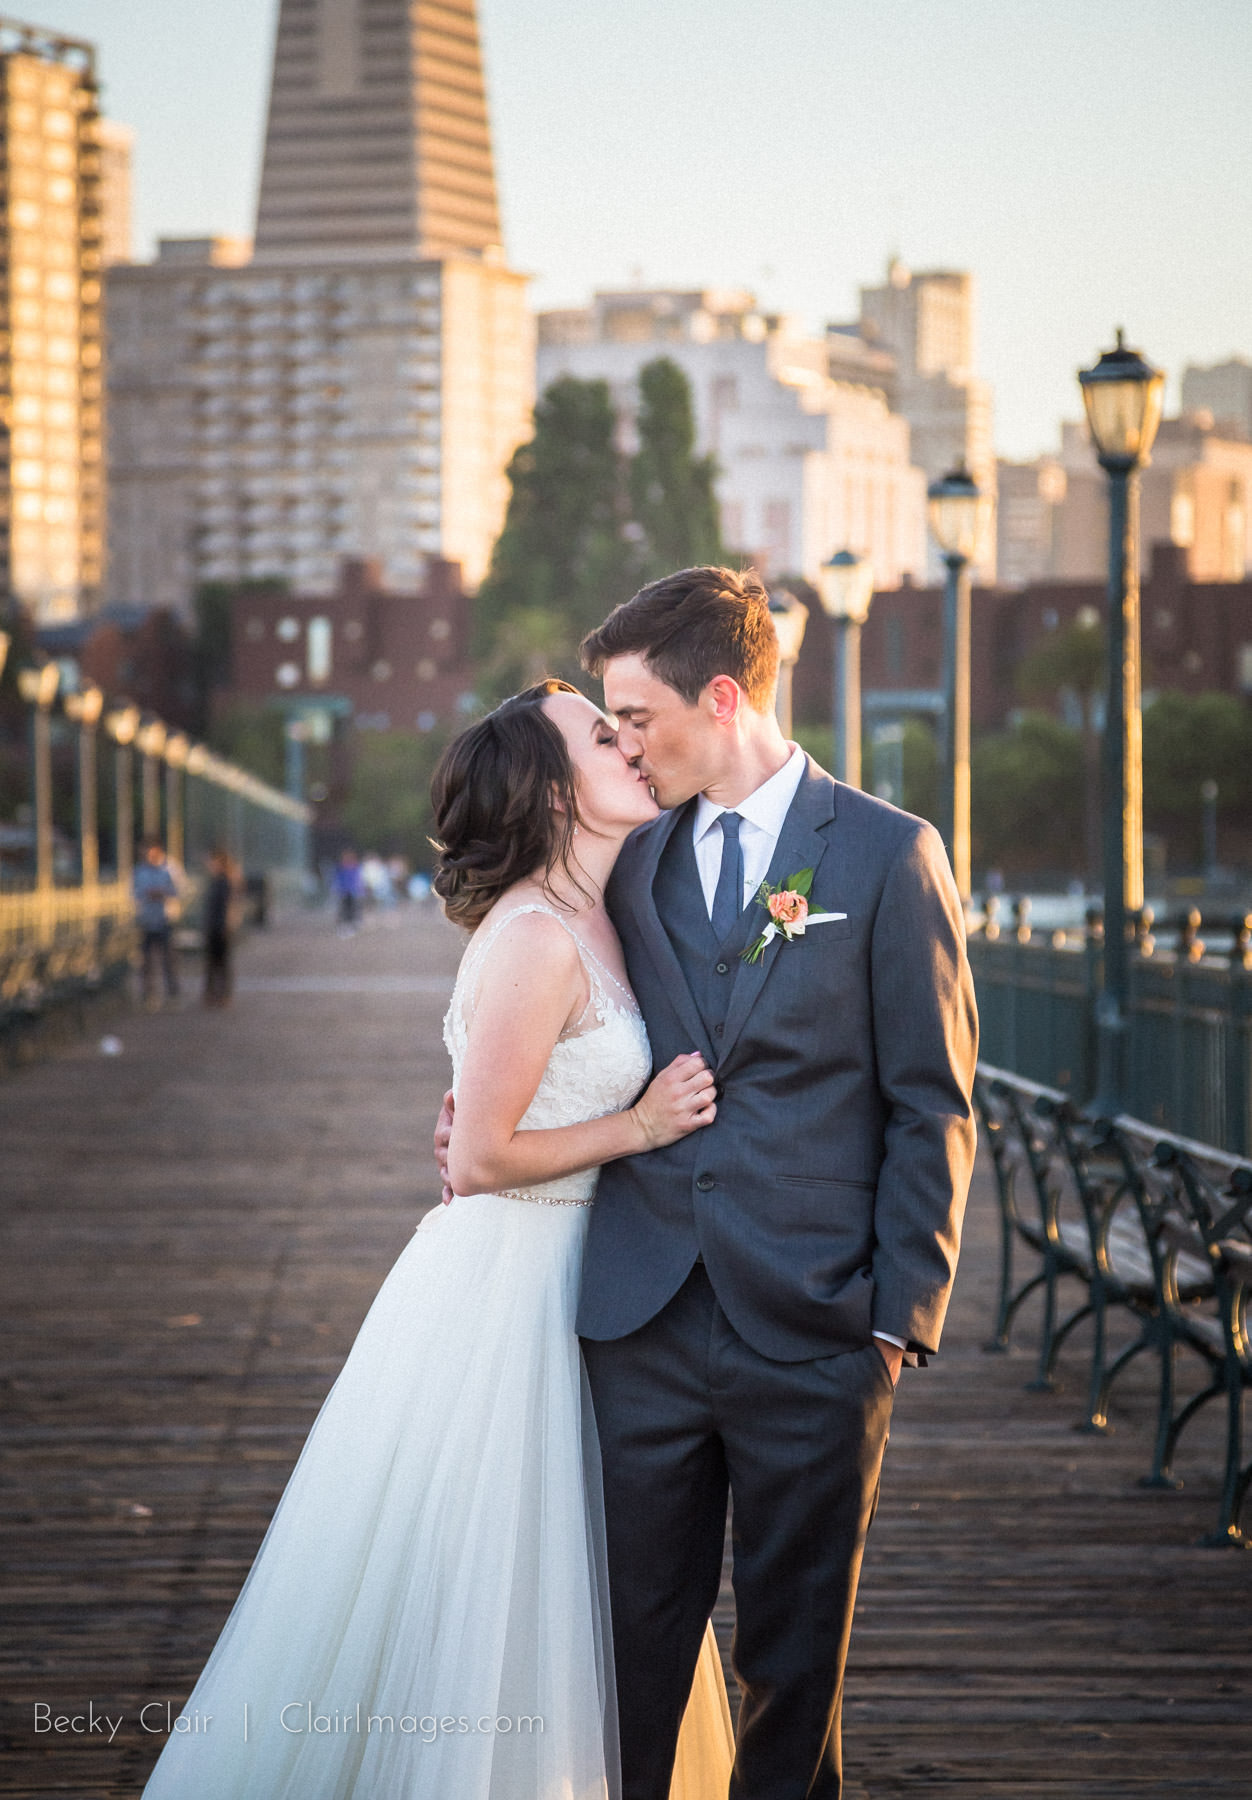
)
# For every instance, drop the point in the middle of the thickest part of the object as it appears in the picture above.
(723, 698)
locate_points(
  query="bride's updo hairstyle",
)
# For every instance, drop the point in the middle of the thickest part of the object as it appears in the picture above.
(504, 794)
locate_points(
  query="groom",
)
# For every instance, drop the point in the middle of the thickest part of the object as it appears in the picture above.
(750, 1292)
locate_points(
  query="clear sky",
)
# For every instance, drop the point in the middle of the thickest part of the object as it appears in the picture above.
(1089, 160)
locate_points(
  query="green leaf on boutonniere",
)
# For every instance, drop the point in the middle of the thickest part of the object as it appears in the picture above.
(800, 883)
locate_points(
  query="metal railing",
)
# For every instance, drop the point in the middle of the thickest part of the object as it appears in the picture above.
(1190, 1023)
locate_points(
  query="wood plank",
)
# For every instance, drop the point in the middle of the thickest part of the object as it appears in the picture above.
(192, 1233)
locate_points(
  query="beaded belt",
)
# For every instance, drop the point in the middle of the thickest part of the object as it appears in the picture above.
(537, 1199)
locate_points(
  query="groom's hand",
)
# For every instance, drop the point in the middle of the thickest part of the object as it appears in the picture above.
(443, 1135)
(892, 1355)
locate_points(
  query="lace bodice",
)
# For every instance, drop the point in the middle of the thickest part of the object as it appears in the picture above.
(597, 1067)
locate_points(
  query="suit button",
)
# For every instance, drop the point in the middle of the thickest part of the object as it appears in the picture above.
(717, 1030)
(723, 968)
(704, 1183)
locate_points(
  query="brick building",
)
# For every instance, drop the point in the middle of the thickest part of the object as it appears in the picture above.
(1197, 638)
(380, 660)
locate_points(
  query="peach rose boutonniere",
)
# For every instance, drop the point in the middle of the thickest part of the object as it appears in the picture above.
(788, 909)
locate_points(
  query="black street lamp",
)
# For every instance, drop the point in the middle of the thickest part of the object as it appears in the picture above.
(1123, 396)
(846, 587)
(956, 509)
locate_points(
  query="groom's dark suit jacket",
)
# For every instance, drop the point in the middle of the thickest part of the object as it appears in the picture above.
(826, 1199)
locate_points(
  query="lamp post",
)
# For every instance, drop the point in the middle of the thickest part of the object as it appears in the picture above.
(177, 750)
(194, 832)
(39, 687)
(846, 587)
(85, 708)
(955, 505)
(1208, 794)
(151, 742)
(1123, 396)
(121, 727)
(790, 617)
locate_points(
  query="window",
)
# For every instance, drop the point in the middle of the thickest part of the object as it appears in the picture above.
(287, 675)
(319, 643)
(287, 630)
(1245, 668)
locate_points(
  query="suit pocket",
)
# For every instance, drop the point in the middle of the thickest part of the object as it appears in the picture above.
(833, 928)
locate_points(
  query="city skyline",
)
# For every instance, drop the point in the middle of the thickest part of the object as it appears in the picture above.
(1087, 177)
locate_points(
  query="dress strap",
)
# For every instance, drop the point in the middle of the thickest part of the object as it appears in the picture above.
(478, 950)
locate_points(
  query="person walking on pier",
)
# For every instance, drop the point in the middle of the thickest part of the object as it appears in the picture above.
(221, 905)
(156, 905)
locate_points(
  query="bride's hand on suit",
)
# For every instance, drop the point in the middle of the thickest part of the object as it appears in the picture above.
(676, 1102)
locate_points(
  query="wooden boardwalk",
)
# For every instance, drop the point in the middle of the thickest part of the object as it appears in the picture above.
(191, 1234)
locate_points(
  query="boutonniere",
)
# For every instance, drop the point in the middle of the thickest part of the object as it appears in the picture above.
(788, 909)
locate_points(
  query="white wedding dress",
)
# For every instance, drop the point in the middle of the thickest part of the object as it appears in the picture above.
(427, 1617)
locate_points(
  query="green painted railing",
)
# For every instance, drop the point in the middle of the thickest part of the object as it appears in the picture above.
(1190, 1051)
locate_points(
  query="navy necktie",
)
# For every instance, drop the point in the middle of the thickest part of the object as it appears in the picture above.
(728, 898)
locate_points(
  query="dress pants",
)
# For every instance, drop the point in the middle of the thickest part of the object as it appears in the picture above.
(686, 1412)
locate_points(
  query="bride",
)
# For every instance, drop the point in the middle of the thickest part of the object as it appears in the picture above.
(427, 1616)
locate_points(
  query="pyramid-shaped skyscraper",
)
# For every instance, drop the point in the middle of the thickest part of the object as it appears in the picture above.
(354, 382)
(378, 141)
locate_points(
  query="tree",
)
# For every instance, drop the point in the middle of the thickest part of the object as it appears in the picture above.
(1071, 665)
(1187, 740)
(1026, 800)
(562, 560)
(671, 489)
(387, 807)
(584, 529)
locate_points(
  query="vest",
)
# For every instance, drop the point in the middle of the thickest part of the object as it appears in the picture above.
(709, 967)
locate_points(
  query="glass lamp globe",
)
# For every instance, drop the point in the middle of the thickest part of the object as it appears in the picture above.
(846, 586)
(955, 507)
(790, 616)
(1123, 395)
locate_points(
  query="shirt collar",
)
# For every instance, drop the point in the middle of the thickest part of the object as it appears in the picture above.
(767, 807)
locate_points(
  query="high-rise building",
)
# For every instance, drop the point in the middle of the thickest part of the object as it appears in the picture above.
(356, 385)
(117, 143)
(1224, 390)
(377, 143)
(1195, 493)
(925, 318)
(51, 380)
(1029, 496)
(807, 463)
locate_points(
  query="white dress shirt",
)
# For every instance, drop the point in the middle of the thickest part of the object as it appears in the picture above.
(763, 814)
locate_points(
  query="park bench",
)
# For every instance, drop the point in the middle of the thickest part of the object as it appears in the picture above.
(1156, 1228)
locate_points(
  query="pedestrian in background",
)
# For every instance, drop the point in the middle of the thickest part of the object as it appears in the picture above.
(349, 887)
(222, 898)
(156, 907)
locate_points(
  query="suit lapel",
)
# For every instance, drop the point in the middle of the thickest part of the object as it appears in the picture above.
(800, 845)
(656, 938)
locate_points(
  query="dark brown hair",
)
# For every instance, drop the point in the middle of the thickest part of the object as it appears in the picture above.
(692, 626)
(495, 792)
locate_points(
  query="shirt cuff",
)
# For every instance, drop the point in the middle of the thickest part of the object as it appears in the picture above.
(910, 1358)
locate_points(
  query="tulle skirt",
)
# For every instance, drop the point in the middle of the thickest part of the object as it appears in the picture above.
(427, 1617)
